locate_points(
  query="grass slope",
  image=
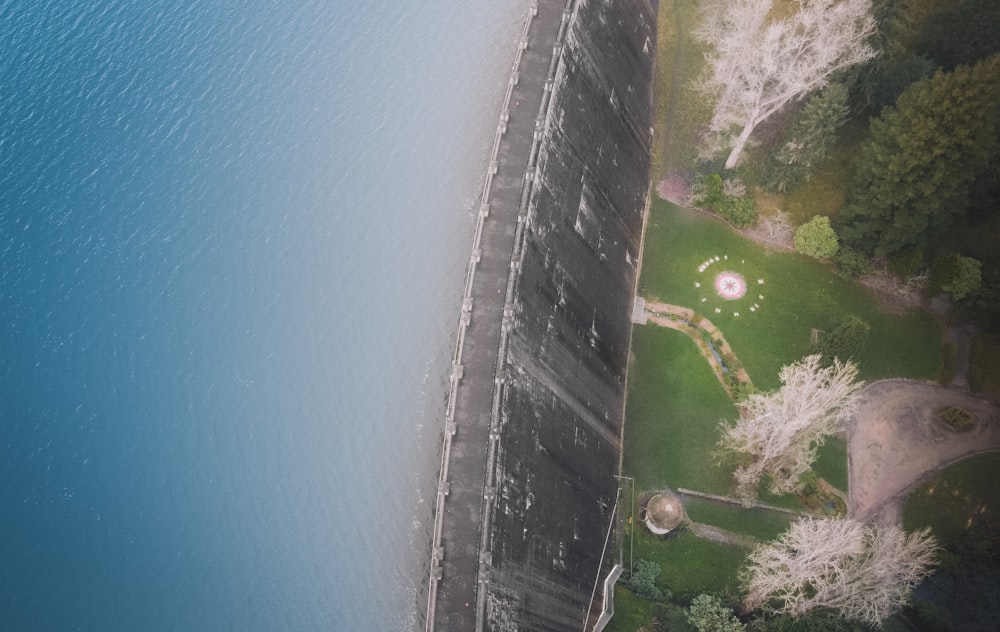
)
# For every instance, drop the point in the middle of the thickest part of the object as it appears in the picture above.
(691, 565)
(680, 112)
(675, 404)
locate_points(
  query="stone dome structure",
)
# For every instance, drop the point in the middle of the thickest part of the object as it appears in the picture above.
(664, 513)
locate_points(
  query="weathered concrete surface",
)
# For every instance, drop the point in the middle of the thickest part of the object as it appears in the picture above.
(453, 598)
(527, 487)
(564, 373)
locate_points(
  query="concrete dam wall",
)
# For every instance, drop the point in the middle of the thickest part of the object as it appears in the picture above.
(532, 441)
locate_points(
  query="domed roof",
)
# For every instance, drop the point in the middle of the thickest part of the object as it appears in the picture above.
(663, 513)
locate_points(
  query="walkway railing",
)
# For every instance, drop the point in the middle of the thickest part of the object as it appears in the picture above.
(437, 551)
(541, 124)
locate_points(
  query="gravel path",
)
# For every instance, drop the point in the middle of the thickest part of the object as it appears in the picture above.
(894, 442)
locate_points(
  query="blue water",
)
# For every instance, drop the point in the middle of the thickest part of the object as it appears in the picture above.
(233, 238)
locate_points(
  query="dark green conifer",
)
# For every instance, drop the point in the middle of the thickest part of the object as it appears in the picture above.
(915, 172)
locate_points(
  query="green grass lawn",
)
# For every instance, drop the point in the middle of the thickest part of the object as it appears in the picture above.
(675, 402)
(762, 524)
(961, 505)
(680, 111)
(634, 613)
(799, 293)
(675, 405)
(631, 612)
(690, 565)
(831, 462)
(960, 500)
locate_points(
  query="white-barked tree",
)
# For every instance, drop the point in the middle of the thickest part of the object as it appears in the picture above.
(863, 572)
(758, 61)
(781, 431)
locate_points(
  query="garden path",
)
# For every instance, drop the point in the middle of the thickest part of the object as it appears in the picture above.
(894, 443)
(722, 536)
(685, 320)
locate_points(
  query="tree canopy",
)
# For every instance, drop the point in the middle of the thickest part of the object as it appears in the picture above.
(863, 572)
(810, 139)
(916, 170)
(817, 238)
(781, 431)
(759, 63)
(962, 33)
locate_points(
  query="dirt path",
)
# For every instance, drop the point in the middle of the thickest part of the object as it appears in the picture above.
(722, 536)
(894, 442)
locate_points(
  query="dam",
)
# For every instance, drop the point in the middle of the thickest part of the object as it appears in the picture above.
(527, 493)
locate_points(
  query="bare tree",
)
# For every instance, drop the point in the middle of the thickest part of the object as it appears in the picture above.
(864, 572)
(759, 63)
(782, 430)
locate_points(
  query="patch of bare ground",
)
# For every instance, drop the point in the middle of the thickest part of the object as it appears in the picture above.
(722, 536)
(675, 188)
(895, 442)
(895, 295)
(774, 230)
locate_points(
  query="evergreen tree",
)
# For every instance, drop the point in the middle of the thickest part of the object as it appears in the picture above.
(961, 34)
(810, 139)
(867, 79)
(915, 172)
(896, 77)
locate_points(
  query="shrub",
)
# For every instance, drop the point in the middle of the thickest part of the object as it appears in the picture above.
(817, 238)
(708, 614)
(956, 275)
(727, 198)
(983, 305)
(707, 191)
(642, 581)
(743, 390)
(851, 263)
(958, 419)
(906, 262)
(845, 340)
(740, 212)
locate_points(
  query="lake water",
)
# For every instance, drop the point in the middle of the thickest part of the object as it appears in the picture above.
(233, 238)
